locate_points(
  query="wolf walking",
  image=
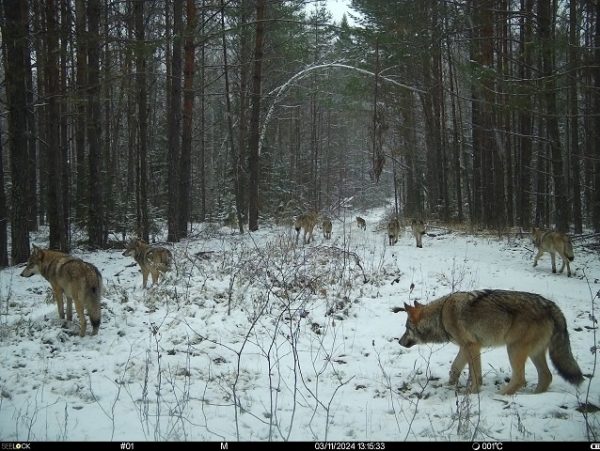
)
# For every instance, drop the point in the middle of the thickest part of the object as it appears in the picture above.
(393, 230)
(553, 242)
(327, 227)
(80, 282)
(528, 324)
(306, 222)
(361, 223)
(155, 260)
(418, 230)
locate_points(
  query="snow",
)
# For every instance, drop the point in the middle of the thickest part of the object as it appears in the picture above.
(292, 336)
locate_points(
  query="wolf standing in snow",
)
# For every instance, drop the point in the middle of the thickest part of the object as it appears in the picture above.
(418, 230)
(78, 280)
(361, 223)
(393, 230)
(306, 222)
(553, 242)
(327, 227)
(528, 324)
(155, 260)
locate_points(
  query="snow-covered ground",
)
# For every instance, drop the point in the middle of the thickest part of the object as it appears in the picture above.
(254, 338)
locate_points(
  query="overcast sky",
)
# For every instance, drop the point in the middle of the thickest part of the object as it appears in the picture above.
(338, 8)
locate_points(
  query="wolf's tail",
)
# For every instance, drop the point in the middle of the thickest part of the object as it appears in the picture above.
(96, 291)
(560, 350)
(569, 250)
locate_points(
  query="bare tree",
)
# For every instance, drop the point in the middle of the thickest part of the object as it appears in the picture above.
(254, 157)
(14, 29)
(3, 214)
(545, 22)
(141, 177)
(96, 204)
(55, 158)
(174, 122)
(185, 164)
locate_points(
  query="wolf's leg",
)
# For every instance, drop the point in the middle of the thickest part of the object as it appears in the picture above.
(69, 309)
(80, 315)
(154, 273)
(473, 351)
(58, 298)
(537, 257)
(562, 268)
(517, 354)
(553, 258)
(457, 366)
(144, 277)
(565, 262)
(544, 374)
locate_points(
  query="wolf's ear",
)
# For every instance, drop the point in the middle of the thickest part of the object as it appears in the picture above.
(414, 313)
(34, 247)
(418, 304)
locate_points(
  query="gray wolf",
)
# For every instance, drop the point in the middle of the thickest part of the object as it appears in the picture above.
(553, 242)
(155, 260)
(526, 323)
(418, 230)
(361, 223)
(327, 226)
(393, 229)
(80, 281)
(306, 222)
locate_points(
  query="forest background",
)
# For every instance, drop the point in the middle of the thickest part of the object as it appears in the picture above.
(127, 116)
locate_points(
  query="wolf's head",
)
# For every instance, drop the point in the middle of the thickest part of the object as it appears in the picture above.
(536, 236)
(413, 335)
(34, 263)
(132, 246)
(418, 226)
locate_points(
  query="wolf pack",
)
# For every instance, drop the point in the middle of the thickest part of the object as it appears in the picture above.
(528, 324)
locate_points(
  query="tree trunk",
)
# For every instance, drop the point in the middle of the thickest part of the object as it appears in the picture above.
(81, 193)
(54, 154)
(64, 116)
(3, 211)
(202, 169)
(229, 119)
(546, 21)
(32, 146)
(174, 122)
(244, 74)
(524, 119)
(254, 163)
(573, 115)
(185, 167)
(143, 223)
(14, 31)
(96, 205)
(596, 126)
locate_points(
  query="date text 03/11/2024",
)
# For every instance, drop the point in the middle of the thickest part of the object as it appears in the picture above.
(354, 446)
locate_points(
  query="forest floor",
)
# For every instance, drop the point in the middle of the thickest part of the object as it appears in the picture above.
(252, 337)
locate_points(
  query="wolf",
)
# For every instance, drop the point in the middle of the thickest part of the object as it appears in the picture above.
(393, 229)
(553, 242)
(155, 260)
(418, 230)
(80, 281)
(527, 323)
(361, 223)
(327, 226)
(307, 222)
